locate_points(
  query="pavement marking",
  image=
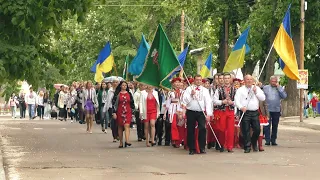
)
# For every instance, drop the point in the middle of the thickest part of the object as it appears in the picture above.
(12, 128)
(37, 128)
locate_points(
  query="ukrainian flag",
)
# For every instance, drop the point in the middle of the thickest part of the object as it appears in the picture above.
(104, 63)
(283, 44)
(240, 49)
(205, 70)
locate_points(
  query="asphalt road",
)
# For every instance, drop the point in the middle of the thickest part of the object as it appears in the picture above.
(51, 149)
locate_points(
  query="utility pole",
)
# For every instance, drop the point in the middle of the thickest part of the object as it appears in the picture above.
(182, 39)
(302, 10)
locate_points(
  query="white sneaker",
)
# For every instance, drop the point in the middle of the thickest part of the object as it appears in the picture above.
(71, 121)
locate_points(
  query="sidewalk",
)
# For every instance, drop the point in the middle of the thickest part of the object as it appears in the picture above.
(311, 123)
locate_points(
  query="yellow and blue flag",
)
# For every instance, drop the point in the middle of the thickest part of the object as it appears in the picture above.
(240, 49)
(182, 58)
(104, 63)
(205, 70)
(283, 44)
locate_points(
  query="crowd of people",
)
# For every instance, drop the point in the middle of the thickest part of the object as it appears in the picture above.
(222, 113)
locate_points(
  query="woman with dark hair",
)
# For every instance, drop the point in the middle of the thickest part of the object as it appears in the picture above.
(123, 107)
(102, 99)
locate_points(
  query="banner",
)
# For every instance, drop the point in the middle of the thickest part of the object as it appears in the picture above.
(303, 82)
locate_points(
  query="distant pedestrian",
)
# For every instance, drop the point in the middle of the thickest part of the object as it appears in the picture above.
(22, 106)
(13, 105)
(30, 99)
(314, 102)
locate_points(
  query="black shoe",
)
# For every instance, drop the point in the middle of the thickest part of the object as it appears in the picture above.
(209, 145)
(127, 144)
(202, 151)
(274, 144)
(247, 150)
(221, 149)
(255, 149)
(153, 144)
(167, 144)
(191, 152)
(267, 144)
(159, 144)
(139, 139)
(217, 147)
(230, 151)
(121, 146)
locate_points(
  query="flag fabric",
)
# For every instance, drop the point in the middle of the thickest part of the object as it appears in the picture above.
(256, 70)
(182, 58)
(160, 63)
(240, 49)
(125, 68)
(238, 73)
(137, 63)
(104, 63)
(205, 70)
(214, 72)
(283, 44)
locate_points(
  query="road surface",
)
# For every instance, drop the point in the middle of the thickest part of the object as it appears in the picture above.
(50, 149)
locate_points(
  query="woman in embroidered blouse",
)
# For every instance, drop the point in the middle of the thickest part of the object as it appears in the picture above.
(123, 108)
(90, 105)
(102, 99)
(149, 112)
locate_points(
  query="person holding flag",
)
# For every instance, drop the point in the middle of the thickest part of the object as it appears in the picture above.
(197, 99)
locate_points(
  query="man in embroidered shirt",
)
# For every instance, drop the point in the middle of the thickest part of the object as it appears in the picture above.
(197, 99)
(224, 99)
(247, 100)
(274, 94)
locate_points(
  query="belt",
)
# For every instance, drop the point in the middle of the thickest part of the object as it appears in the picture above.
(174, 101)
(194, 111)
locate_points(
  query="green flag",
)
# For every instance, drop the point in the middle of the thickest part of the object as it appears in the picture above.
(160, 63)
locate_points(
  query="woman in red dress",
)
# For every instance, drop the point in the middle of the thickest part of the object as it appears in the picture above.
(123, 107)
(149, 112)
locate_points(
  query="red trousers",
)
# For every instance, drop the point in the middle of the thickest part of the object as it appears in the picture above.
(226, 130)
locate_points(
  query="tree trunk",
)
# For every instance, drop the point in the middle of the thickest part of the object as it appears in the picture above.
(290, 106)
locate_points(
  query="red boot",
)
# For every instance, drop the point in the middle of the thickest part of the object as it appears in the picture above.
(260, 143)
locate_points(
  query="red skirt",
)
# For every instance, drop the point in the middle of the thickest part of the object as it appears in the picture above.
(174, 129)
(150, 116)
(263, 121)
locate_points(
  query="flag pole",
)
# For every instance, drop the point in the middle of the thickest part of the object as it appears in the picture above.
(251, 94)
(215, 136)
(182, 39)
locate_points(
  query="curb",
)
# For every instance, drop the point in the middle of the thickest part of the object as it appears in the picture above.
(2, 172)
(301, 124)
